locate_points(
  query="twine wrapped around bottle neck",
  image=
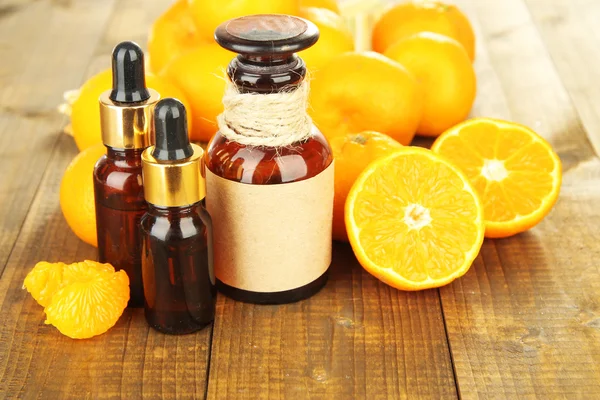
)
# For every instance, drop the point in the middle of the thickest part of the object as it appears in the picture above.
(275, 119)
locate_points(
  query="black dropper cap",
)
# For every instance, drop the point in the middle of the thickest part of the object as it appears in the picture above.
(172, 141)
(129, 79)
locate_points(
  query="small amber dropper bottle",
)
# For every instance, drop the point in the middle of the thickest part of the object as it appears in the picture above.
(179, 283)
(269, 170)
(126, 116)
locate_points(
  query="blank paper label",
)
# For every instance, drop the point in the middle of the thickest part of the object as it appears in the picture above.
(271, 238)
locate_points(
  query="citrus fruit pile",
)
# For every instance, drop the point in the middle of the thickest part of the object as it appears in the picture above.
(82, 299)
(415, 218)
(184, 62)
(418, 80)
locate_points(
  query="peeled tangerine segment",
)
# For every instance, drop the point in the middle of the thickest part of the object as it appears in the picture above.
(415, 221)
(83, 299)
(85, 309)
(44, 280)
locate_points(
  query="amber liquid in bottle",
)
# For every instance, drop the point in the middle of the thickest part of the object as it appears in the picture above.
(178, 277)
(268, 165)
(126, 122)
(120, 206)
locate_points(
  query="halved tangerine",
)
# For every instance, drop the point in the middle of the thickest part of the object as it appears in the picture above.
(414, 221)
(514, 170)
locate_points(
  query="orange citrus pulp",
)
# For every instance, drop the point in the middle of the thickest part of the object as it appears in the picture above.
(514, 170)
(44, 280)
(414, 221)
(82, 299)
(353, 153)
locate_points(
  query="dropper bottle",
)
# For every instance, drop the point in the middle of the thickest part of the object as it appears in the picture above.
(126, 115)
(177, 268)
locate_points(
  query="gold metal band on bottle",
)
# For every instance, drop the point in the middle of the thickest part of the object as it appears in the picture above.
(173, 184)
(127, 126)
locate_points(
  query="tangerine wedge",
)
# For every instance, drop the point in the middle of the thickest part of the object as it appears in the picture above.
(92, 299)
(83, 299)
(413, 219)
(44, 280)
(514, 170)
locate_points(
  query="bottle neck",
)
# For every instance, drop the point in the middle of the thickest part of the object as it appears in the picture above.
(262, 74)
(182, 211)
(129, 157)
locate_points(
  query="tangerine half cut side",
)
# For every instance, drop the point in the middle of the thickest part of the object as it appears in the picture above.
(414, 221)
(514, 170)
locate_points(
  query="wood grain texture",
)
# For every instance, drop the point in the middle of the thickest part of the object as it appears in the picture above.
(36, 361)
(571, 35)
(524, 322)
(357, 338)
(37, 67)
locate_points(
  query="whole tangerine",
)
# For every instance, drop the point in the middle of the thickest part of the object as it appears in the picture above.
(85, 111)
(352, 153)
(172, 34)
(412, 17)
(201, 75)
(363, 91)
(443, 68)
(77, 194)
(335, 37)
(208, 14)
(328, 4)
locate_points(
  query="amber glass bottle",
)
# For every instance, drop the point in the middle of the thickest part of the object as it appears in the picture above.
(266, 65)
(126, 116)
(177, 270)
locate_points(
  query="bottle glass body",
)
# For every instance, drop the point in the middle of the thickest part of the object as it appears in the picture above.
(120, 205)
(262, 165)
(179, 283)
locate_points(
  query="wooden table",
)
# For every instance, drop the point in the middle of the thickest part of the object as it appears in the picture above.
(524, 322)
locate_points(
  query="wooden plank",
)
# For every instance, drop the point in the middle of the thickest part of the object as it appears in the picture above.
(357, 338)
(524, 321)
(45, 48)
(572, 36)
(131, 360)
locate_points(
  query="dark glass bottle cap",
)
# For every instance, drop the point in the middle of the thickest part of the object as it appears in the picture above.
(170, 124)
(267, 34)
(129, 79)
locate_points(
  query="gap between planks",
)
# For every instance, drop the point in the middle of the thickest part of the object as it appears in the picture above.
(521, 322)
(130, 348)
(29, 107)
